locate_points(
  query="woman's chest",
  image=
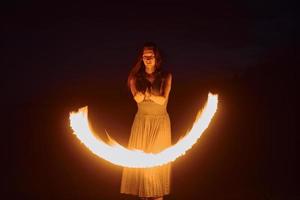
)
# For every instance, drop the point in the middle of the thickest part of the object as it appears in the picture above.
(155, 84)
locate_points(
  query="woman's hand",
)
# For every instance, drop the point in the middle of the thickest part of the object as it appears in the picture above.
(139, 96)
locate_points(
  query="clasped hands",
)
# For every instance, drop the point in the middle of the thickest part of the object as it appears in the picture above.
(144, 96)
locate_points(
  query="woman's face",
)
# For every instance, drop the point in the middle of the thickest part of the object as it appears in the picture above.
(149, 59)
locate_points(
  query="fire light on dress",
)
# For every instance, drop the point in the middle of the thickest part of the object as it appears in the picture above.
(119, 155)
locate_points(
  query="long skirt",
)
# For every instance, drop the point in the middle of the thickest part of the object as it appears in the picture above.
(150, 132)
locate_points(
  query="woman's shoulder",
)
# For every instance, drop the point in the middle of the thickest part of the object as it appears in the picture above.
(166, 74)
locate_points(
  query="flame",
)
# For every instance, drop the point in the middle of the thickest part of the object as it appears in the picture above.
(119, 155)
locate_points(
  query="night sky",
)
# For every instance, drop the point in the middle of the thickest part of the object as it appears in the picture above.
(60, 57)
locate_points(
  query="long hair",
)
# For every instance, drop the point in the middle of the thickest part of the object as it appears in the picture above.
(139, 66)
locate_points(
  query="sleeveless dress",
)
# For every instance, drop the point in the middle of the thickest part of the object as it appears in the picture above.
(150, 132)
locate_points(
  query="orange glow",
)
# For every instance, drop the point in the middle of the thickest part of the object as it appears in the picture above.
(119, 155)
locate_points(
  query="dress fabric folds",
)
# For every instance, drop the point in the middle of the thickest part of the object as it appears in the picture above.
(150, 132)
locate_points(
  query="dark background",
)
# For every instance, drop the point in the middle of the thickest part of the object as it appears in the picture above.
(59, 57)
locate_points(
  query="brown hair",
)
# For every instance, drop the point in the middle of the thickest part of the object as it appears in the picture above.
(139, 66)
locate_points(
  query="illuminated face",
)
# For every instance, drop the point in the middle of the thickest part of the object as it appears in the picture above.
(149, 60)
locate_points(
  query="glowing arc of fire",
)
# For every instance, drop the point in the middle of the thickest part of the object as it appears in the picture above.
(119, 155)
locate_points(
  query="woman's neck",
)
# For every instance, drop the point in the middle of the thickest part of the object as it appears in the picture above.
(149, 71)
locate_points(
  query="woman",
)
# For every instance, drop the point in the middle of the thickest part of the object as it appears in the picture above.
(151, 129)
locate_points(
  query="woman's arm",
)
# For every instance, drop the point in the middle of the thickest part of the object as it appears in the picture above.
(137, 96)
(161, 99)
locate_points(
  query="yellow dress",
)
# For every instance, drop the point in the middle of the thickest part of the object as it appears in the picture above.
(150, 132)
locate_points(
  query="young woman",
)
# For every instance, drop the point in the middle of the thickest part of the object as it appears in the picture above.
(151, 128)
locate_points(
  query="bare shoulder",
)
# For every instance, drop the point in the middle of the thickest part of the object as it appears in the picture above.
(167, 75)
(132, 80)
